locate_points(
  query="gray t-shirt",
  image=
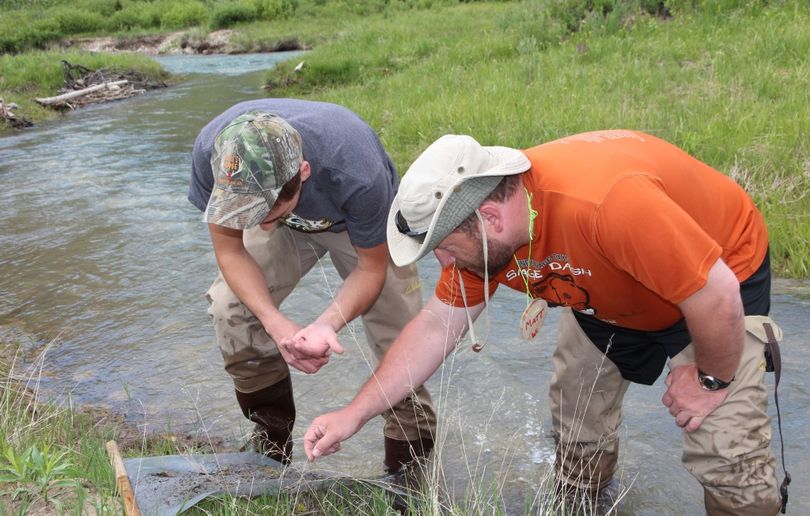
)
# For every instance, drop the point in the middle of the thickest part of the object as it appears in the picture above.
(353, 180)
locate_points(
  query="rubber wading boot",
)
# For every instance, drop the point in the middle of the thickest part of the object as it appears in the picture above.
(594, 502)
(399, 454)
(404, 460)
(273, 411)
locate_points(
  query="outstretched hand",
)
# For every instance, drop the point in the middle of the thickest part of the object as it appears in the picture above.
(687, 401)
(327, 432)
(309, 349)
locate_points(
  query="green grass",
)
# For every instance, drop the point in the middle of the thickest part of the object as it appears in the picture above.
(51, 458)
(730, 87)
(39, 24)
(31, 75)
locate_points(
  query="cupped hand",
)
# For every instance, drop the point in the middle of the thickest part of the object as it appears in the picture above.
(317, 339)
(309, 349)
(304, 363)
(687, 401)
(283, 331)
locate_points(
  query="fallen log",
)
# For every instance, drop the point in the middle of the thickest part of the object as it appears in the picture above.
(62, 99)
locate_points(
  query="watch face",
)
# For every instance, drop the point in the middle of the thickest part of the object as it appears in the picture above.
(709, 383)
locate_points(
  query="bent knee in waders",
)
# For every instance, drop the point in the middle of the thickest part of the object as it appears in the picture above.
(739, 484)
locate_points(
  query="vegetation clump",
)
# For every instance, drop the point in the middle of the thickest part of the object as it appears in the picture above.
(85, 86)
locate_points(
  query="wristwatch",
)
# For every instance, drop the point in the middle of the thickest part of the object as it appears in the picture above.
(712, 383)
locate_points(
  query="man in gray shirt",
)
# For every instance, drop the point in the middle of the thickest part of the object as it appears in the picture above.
(282, 182)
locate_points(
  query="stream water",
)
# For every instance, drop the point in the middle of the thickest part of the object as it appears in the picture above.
(103, 266)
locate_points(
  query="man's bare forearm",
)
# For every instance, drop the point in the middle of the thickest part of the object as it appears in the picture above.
(244, 276)
(716, 322)
(413, 357)
(360, 288)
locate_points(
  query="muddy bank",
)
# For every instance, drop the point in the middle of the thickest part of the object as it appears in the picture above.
(184, 42)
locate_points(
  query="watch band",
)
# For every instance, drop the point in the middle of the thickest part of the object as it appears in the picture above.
(712, 383)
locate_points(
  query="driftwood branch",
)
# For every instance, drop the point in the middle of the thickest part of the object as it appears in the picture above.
(62, 99)
(7, 114)
(85, 86)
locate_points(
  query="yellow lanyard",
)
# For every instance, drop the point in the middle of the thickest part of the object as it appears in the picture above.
(532, 215)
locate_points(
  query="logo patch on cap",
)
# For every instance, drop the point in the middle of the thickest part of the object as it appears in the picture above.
(230, 165)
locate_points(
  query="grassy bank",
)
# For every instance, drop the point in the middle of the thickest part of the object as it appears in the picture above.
(727, 81)
(35, 36)
(51, 459)
(52, 454)
(36, 24)
(38, 74)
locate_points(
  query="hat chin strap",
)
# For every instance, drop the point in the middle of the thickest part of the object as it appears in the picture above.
(476, 346)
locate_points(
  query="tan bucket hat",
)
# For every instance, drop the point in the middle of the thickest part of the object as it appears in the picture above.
(445, 184)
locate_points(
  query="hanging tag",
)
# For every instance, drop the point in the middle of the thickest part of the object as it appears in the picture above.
(532, 319)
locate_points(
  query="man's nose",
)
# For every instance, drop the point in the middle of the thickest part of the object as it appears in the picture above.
(445, 259)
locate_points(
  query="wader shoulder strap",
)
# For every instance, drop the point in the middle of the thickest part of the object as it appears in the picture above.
(773, 362)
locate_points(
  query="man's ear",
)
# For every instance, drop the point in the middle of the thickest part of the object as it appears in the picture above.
(305, 170)
(492, 214)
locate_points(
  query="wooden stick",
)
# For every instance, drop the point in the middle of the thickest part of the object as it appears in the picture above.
(122, 479)
(59, 99)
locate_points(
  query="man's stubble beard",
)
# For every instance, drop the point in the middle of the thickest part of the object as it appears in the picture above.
(499, 255)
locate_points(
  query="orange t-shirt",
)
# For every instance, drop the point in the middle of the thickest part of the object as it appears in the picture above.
(627, 227)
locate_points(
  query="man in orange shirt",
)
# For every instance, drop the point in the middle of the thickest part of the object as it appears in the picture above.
(656, 257)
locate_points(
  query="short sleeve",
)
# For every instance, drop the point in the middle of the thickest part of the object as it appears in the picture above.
(448, 288)
(367, 210)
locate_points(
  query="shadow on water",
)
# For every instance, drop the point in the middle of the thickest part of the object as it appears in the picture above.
(104, 258)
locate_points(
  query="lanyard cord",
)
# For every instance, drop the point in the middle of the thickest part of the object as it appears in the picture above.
(477, 346)
(532, 215)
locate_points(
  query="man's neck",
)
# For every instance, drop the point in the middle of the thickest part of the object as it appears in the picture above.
(517, 212)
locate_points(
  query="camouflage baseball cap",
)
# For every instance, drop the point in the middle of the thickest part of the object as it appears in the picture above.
(253, 157)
